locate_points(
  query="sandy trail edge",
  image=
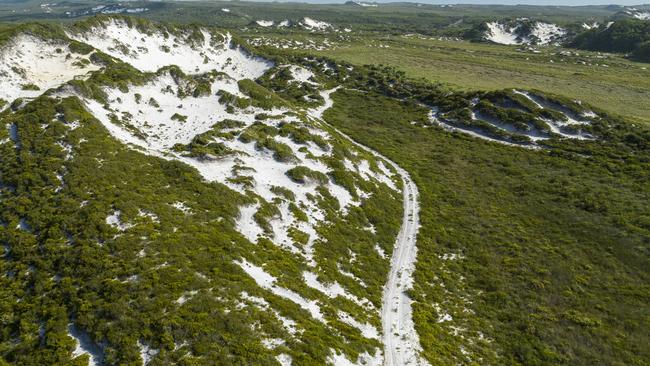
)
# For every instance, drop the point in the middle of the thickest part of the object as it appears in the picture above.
(401, 342)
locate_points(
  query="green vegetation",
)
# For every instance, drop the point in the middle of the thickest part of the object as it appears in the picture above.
(302, 174)
(205, 150)
(281, 81)
(385, 18)
(301, 134)
(620, 88)
(80, 48)
(281, 152)
(642, 52)
(284, 192)
(165, 275)
(204, 146)
(263, 135)
(524, 257)
(260, 96)
(266, 212)
(123, 287)
(66, 230)
(552, 250)
(40, 30)
(232, 101)
(30, 87)
(624, 35)
(179, 117)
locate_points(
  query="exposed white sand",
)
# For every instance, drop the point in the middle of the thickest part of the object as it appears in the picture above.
(246, 224)
(638, 14)
(146, 123)
(149, 215)
(547, 33)
(289, 324)
(643, 15)
(256, 300)
(533, 134)
(558, 127)
(181, 206)
(436, 121)
(28, 60)
(365, 359)
(85, 345)
(334, 290)
(380, 251)
(588, 26)
(115, 220)
(301, 74)
(314, 24)
(370, 5)
(273, 343)
(501, 33)
(150, 52)
(367, 330)
(540, 34)
(163, 132)
(564, 129)
(146, 352)
(152, 115)
(268, 282)
(385, 176)
(284, 359)
(265, 23)
(185, 297)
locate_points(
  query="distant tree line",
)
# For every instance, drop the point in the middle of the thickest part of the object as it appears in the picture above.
(627, 36)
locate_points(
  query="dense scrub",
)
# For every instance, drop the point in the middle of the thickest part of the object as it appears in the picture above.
(537, 257)
(139, 252)
(163, 275)
(624, 35)
(533, 257)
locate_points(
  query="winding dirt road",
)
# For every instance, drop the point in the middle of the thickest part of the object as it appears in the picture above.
(401, 342)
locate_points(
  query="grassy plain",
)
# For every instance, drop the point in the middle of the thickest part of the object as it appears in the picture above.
(621, 87)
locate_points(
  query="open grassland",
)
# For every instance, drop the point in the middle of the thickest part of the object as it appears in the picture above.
(621, 87)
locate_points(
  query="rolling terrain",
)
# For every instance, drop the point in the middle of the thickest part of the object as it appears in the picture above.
(296, 191)
(295, 181)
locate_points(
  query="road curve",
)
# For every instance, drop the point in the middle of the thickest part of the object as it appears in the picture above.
(401, 342)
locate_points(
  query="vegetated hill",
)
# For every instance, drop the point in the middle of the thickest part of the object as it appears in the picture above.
(170, 197)
(184, 210)
(520, 31)
(642, 12)
(625, 35)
